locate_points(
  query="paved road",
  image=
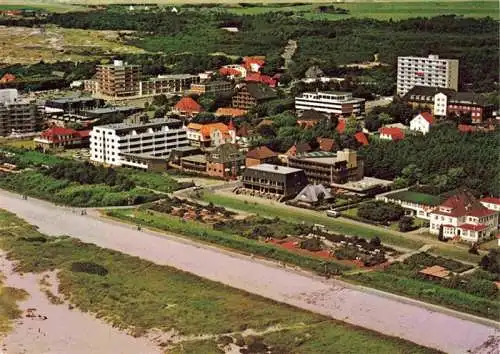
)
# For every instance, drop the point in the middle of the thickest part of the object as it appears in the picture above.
(366, 308)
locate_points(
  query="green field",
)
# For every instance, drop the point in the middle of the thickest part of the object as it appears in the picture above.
(138, 295)
(47, 5)
(415, 197)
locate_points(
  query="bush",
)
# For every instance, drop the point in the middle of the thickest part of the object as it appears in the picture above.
(89, 267)
(312, 244)
(380, 211)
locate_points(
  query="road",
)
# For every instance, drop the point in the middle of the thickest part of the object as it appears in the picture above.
(440, 328)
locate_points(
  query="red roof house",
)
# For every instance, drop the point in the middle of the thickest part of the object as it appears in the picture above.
(393, 134)
(361, 138)
(59, 137)
(259, 155)
(7, 77)
(187, 106)
(428, 117)
(341, 126)
(264, 79)
(254, 64)
(326, 144)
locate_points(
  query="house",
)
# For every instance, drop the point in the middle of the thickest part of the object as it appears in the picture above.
(242, 136)
(463, 216)
(422, 122)
(329, 168)
(264, 79)
(7, 77)
(298, 149)
(310, 118)
(230, 112)
(210, 134)
(226, 161)
(254, 64)
(361, 138)
(259, 155)
(233, 71)
(187, 107)
(313, 194)
(58, 137)
(251, 94)
(491, 203)
(331, 102)
(393, 134)
(415, 204)
(340, 128)
(326, 144)
(273, 180)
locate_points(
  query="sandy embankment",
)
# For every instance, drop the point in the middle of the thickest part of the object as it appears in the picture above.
(64, 330)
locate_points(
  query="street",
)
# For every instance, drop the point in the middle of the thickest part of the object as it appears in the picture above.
(443, 329)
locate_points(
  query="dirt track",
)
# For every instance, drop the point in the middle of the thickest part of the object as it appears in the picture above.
(446, 331)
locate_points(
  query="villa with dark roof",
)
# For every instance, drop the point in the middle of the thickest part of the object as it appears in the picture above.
(251, 94)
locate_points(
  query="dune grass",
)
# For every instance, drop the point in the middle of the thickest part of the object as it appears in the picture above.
(139, 295)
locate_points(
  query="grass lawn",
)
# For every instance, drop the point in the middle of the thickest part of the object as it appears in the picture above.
(384, 10)
(297, 215)
(51, 6)
(492, 244)
(456, 252)
(18, 143)
(138, 295)
(350, 212)
(9, 310)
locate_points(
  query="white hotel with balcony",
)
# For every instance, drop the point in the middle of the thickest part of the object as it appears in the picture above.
(331, 102)
(117, 144)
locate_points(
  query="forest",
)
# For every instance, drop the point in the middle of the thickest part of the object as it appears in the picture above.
(445, 158)
(197, 34)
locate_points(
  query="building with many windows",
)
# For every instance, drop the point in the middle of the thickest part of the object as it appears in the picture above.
(119, 79)
(431, 71)
(62, 138)
(16, 115)
(217, 87)
(338, 103)
(164, 84)
(251, 94)
(116, 144)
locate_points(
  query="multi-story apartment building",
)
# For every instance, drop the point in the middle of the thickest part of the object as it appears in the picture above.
(119, 79)
(338, 103)
(463, 216)
(17, 116)
(328, 168)
(430, 71)
(218, 87)
(115, 144)
(164, 84)
(251, 94)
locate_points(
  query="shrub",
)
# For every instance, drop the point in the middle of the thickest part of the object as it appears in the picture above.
(88, 267)
(312, 244)
(380, 211)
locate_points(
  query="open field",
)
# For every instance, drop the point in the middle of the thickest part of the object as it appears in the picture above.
(58, 44)
(18, 143)
(138, 295)
(46, 5)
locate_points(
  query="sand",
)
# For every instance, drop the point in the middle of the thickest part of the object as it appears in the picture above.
(63, 331)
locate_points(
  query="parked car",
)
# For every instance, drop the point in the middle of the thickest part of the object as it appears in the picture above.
(332, 213)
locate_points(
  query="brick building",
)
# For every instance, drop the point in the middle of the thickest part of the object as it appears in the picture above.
(119, 79)
(252, 94)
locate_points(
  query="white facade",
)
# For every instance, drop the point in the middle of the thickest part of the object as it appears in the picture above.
(431, 71)
(341, 103)
(109, 143)
(8, 95)
(491, 203)
(440, 105)
(421, 211)
(420, 124)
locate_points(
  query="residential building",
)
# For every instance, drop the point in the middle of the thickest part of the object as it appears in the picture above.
(233, 71)
(119, 79)
(73, 104)
(422, 123)
(267, 179)
(313, 195)
(62, 138)
(298, 149)
(415, 204)
(187, 107)
(311, 117)
(196, 163)
(326, 144)
(210, 134)
(260, 155)
(225, 161)
(463, 216)
(216, 88)
(251, 94)
(17, 116)
(254, 63)
(491, 203)
(431, 71)
(165, 84)
(263, 79)
(91, 85)
(393, 134)
(7, 77)
(331, 102)
(361, 138)
(443, 102)
(328, 168)
(114, 144)
(230, 112)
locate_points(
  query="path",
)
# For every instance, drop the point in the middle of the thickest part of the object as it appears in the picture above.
(421, 323)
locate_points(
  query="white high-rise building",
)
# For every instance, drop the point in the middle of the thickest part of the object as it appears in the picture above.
(431, 71)
(339, 103)
(116, 144)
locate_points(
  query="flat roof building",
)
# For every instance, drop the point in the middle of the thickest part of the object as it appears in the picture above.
(114, 144)
(164, 84)
(283, 181)
(331, 102)
(18, 116)
(218, 87)
(119, 79)
(431, 71)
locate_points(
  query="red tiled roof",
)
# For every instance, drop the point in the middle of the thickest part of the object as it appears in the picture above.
(326, 144)
(473, 227)
(230, 112)
(299, 149)
(258, 77)
(428, 117)
(340, 126)
(56, 131)
(8, 77)
(491, 200)
(248, 61)
(83, 133)
(229, 72)
(361, 138)
(464, 203)
(394, 133)
(261, 152)
(189, 105)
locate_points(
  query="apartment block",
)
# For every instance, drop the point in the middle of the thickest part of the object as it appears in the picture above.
(164, 84)
(128, 144)
(16, 115)
(119, 79)
(218, 87)
(331, 102)
(431, 71)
